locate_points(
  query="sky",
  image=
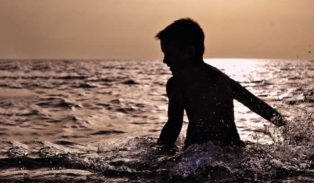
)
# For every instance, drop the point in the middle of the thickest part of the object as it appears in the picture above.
(125, 29)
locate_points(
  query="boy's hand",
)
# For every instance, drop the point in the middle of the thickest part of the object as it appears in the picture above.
(279, 120)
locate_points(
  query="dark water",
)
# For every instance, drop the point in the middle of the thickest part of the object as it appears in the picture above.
(64, 120)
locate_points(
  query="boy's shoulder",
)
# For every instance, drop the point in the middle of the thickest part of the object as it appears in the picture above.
(173, 87)
(215, 71)
(171, 82)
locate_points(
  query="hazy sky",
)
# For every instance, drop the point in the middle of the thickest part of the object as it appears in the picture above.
(126, 28)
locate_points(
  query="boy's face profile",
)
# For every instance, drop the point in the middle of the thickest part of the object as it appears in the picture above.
(176, 56)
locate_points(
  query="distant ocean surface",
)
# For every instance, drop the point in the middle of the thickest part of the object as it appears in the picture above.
(99, 120)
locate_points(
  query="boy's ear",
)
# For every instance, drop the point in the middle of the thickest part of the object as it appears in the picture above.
(190, 50)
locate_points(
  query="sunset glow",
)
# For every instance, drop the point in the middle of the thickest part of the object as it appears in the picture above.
(126, 28)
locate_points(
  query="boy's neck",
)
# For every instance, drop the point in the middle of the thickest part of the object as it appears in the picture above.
(188, 67)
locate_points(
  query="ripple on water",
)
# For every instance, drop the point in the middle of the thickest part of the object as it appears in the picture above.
(53, 102)
(107, 132)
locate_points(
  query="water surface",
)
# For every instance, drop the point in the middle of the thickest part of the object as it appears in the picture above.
(99, 120)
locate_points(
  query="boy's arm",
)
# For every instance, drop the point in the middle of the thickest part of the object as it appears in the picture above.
(172, 128)
(256, 105)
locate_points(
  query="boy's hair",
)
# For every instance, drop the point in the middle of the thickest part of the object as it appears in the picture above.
(186, 32)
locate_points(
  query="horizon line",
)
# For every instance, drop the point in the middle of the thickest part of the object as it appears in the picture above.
(151, 59)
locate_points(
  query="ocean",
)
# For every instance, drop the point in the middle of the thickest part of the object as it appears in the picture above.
(98, 120)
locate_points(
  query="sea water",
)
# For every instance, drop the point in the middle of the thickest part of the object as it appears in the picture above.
(98, 120)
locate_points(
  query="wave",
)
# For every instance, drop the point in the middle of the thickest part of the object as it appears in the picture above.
(142, 159)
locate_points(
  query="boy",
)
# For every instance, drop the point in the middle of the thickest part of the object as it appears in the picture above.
(203, 91)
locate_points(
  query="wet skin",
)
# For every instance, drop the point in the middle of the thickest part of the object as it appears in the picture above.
(206, 94)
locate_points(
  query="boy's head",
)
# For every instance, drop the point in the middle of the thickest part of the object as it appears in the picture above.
(186, 32)
(182, 42)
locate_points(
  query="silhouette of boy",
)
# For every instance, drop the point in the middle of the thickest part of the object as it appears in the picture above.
(203, 91)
